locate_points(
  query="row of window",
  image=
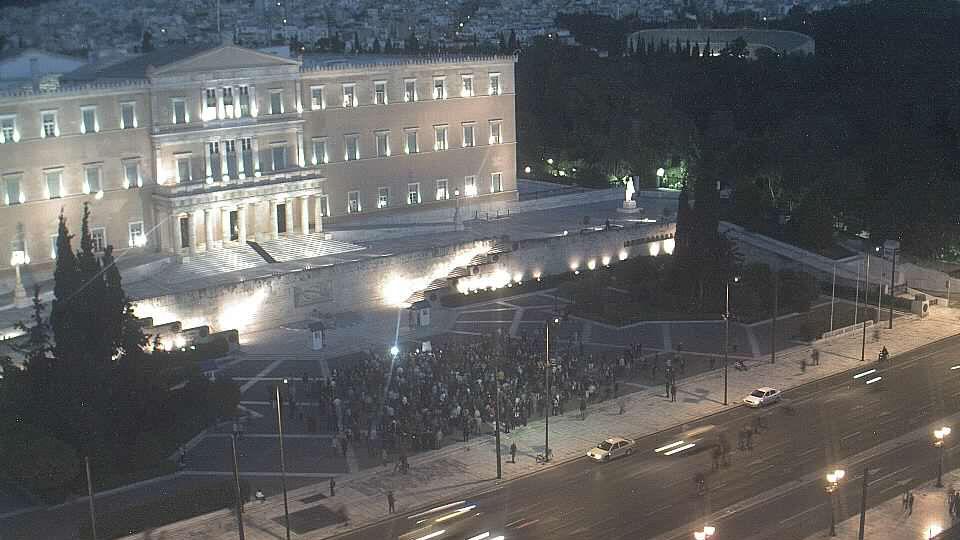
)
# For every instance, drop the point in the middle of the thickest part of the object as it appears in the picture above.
(442, 192)
(225, 104)
(231, 160)
(136, 237)
(411, 142)
(13, 192)
(50, 122)
(380, 95)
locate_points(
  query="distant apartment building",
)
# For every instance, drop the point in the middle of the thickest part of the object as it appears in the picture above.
(185, 150)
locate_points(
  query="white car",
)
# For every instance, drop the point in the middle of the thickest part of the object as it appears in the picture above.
(611, 448)
(762, 396)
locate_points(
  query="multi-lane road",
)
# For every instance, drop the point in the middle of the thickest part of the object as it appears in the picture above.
(775, 490)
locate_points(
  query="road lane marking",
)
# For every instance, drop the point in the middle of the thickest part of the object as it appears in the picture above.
(266, 371)
(807, 511)
(845, 437)
(888, 475)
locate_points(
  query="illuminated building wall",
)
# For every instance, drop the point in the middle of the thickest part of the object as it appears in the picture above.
(268, 302)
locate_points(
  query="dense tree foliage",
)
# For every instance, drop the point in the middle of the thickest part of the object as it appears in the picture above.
(88, 388)
(862, 136)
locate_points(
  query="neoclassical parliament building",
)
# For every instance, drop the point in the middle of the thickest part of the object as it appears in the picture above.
(186, 150)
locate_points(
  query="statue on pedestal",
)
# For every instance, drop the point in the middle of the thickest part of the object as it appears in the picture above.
(629, 205)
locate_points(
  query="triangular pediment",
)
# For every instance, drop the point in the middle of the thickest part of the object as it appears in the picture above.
(225, 57)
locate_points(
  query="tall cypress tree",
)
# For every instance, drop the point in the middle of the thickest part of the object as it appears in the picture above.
(127, 339)
(95, 345)
(66, 284)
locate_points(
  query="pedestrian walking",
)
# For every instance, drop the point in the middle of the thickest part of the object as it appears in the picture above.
(910, 504)
(583, 408)
(904, 499)
(391, 502)
(673, 392)
(666, 386)
(333, 486)
(513, 452)
(623, 406)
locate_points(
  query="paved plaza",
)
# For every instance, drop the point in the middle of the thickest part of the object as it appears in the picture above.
(461, 468)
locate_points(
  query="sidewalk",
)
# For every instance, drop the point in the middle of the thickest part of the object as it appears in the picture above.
(464, 468)
(889, 521)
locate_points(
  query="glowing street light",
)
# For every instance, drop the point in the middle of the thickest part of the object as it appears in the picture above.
(394, 351)
(527, 169)
(726, 338)
(707, 532)
(550, 161)
(833, 482)
(939, 435)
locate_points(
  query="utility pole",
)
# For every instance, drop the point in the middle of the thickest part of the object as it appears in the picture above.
(833, 294)
(236, 482)
(776, 308)
(893, 282)
(863, 501)
(283, 465)
(93, 513)
(497, 426)
(866, 284)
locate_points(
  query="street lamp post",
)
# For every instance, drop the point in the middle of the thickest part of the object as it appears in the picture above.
(499, 378)
(726, 338)
(549, 368)
(707, 532)
(283, 466)
(833, 482)
(17, 259)
(236, 479)
(894, 247)
(866, 286)
(939, 435)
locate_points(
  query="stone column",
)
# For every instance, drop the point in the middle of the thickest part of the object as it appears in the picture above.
(225, 226)
(192, 230)
(224, 170)
(300, 150)
(254, 110)
(305, 215)
(272, 218)
(241, 165)
(298, 93)
(288, 205)
(220, 113)
(208, 226)
(255, 148)
(319, 210)
(158, 175)
(176, 240)
(209, 160)
(242, 223)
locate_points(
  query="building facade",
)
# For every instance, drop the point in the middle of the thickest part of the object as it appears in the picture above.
(189, 150)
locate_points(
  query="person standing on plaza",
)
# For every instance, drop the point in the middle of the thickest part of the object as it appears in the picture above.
(513, 452)
(333, 485)
(391, 502)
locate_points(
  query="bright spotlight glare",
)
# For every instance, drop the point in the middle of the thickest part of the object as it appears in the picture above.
(394, 350)
(668, 246)
(654, 249)
(605, 260)
(592, 264)
(623, 255)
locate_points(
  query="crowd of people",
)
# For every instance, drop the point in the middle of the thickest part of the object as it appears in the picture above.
(419, 397)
